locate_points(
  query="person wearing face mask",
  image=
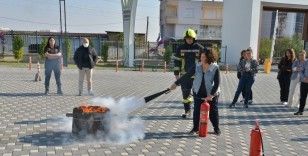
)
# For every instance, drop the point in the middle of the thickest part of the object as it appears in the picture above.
(52, 63)
(85, 58)
(186, 57)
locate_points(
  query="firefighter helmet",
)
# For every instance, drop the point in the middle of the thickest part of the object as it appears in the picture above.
(190, 33)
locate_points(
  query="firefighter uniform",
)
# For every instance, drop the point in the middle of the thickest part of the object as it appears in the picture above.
(185, 58)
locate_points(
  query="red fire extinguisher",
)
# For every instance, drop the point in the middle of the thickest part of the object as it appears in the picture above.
(256, 142)
(204, 116)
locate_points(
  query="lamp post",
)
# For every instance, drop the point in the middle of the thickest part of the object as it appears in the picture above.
(61, 31)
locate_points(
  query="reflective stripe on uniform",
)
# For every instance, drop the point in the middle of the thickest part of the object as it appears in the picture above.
(189, 100)
(183, 64)
(176, 58)
(176, 68)
(189, 51)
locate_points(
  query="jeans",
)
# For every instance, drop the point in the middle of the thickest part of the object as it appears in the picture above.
(245, 85)
(55, 66)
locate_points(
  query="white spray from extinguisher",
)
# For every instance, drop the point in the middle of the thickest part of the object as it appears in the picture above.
(123, 127)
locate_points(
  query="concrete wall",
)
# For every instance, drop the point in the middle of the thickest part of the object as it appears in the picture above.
(241, 33)
(236, 31)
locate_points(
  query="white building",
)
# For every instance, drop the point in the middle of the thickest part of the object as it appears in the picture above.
(243, 32)
(178, 15)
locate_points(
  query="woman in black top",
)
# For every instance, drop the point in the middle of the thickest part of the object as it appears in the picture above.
(284, 75)
(53, 63)
(205, 87)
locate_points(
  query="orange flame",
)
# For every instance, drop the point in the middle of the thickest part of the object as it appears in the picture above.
(93, 109)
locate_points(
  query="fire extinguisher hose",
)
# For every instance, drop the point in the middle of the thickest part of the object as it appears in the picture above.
(262, 143)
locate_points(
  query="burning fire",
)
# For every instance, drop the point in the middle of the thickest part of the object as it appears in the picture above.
(93, 109)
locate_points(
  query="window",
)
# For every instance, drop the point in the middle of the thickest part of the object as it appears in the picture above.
(209, 13)
(189, 13)
(210, 32)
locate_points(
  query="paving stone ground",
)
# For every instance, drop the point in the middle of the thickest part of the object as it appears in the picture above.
(30, 122)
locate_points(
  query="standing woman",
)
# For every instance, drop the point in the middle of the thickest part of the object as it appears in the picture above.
(248, 68)
(284, 75)
(205, 87)
(239, 74)
(53, 63)
(297, 69)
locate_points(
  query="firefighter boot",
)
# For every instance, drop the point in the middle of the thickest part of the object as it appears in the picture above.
(187, 102)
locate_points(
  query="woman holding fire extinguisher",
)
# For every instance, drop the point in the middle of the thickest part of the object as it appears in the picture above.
(205, 88)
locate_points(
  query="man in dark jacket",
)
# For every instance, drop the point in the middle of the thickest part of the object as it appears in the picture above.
(185, 58)
(85, 58)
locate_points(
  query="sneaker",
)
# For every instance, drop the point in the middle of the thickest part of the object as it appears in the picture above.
(194, 132)
(231, 105)
(46, 92)
(91, 93)
(250, 102)
(186, 114)
(60, 92)
(285, 103)
(246, 105)
(217, 132)
(298, 113)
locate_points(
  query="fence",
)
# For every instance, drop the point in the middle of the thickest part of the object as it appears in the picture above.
(149, 50)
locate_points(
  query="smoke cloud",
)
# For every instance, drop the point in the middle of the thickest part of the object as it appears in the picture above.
(122, 127)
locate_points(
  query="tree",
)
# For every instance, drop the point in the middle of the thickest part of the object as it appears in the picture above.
(217, 50)
(68, 48)
(91, 43)
(265, 48)
(104, 51)
(42, 47)
(2, 40)
(18, 45)
(297, 43)
(282, 44)
(168, 53)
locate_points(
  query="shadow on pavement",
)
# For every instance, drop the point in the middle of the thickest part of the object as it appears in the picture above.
(167, 107)
(48, 138)
(40, 121)
(300, 139)
(162, 117)
(21, 94)
(168, 135)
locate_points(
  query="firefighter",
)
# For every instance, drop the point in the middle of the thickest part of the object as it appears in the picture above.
(185, 58)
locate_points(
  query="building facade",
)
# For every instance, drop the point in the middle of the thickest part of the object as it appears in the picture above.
(203, 16)
(290, 23)
(206, 17)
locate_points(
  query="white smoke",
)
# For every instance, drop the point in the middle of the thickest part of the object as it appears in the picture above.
(122, 127)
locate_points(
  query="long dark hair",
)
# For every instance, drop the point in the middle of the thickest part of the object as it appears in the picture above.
(242, 52)
(292, 53)
(48, 46)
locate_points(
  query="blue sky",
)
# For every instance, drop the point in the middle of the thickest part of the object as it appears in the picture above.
(82, 15)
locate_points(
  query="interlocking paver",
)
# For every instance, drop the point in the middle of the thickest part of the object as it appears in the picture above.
(32, 124)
